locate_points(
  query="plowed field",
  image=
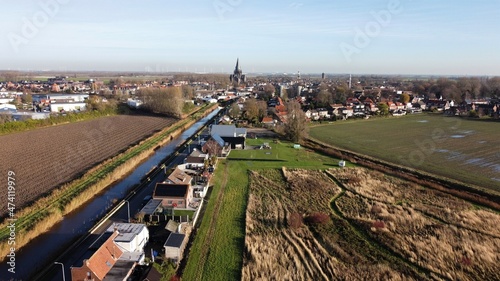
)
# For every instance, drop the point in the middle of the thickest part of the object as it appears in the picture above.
(45, 158)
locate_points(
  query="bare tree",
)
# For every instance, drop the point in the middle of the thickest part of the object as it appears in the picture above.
(324, 98)
(251, 110)
(234, 111)
(295, 127)
(494, 87)
(469, 87)
(10, 76)
(162, 100)
(262, 106)
(187, 92)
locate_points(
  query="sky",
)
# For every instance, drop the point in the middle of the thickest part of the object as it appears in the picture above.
(280, 36)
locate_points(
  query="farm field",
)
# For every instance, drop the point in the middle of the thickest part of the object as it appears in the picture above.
(217, 250)
(460, 149)
(357, 224)
(44, 158)
(288, 214)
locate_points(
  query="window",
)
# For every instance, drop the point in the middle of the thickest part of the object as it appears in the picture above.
(169, 202)
(180, 202)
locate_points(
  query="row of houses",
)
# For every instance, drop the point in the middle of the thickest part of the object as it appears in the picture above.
(186, 184)
(122, 248)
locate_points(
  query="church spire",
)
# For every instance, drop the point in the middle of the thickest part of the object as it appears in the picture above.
(237, 75)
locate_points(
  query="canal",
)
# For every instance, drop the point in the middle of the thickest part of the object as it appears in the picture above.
(39, 253)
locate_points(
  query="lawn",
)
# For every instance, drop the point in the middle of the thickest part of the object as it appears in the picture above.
(217, 251)
(184, 213)
(461, 149)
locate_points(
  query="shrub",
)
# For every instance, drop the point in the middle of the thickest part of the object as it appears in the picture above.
(317, 218)
(353, 180)
(378, 224)
(376, 209)
(295, 220)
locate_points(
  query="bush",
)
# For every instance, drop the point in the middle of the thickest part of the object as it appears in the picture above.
(295, 220)
(376, 209)
(317, 218)
(378, 224)
(473, 114)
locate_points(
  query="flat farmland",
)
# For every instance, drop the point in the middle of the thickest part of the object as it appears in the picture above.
(358, 224)
(45, 158)
(461, 149)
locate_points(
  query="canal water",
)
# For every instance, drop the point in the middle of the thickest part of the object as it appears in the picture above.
(33, 257)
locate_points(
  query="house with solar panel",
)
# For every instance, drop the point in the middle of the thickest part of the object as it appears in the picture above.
(176, 191)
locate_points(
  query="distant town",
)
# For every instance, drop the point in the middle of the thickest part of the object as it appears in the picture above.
(322, 97)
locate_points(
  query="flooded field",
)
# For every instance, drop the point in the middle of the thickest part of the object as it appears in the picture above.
(461, 149)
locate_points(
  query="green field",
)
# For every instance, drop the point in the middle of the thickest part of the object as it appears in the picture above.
(217, 251)
(461, 149)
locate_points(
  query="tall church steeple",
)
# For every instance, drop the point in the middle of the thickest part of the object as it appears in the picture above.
(237, 75)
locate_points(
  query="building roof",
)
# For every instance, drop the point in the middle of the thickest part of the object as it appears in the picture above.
(151, 206)
(120, 270)
(218, 139)
(228, 131)
(241, 132)
(171, 190)
(101, 262)
(223, 130)
(197, 153)
(195, 159)
(267, 119)
(172, 226)
(153, 275)
(126, 231)
(174, 240)
(178, 176)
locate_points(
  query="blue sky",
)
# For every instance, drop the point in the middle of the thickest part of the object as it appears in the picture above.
(378, 36)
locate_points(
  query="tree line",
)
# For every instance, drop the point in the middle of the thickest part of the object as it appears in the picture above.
(168, 101)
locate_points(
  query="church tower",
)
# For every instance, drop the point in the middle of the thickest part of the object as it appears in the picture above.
(237, 75)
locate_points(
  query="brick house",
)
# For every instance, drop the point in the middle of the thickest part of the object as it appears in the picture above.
(100, 263)
(215, 145)
(173, 195)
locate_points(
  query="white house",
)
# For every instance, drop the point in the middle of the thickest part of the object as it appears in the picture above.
(131, 239)
(67, 106)
(134, 103)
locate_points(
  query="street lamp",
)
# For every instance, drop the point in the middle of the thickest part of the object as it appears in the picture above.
(128, 210)
(62, 266)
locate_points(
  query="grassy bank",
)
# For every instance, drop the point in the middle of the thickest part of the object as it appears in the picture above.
(45, 212)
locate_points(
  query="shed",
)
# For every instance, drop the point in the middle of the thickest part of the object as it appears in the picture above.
(174, 246)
